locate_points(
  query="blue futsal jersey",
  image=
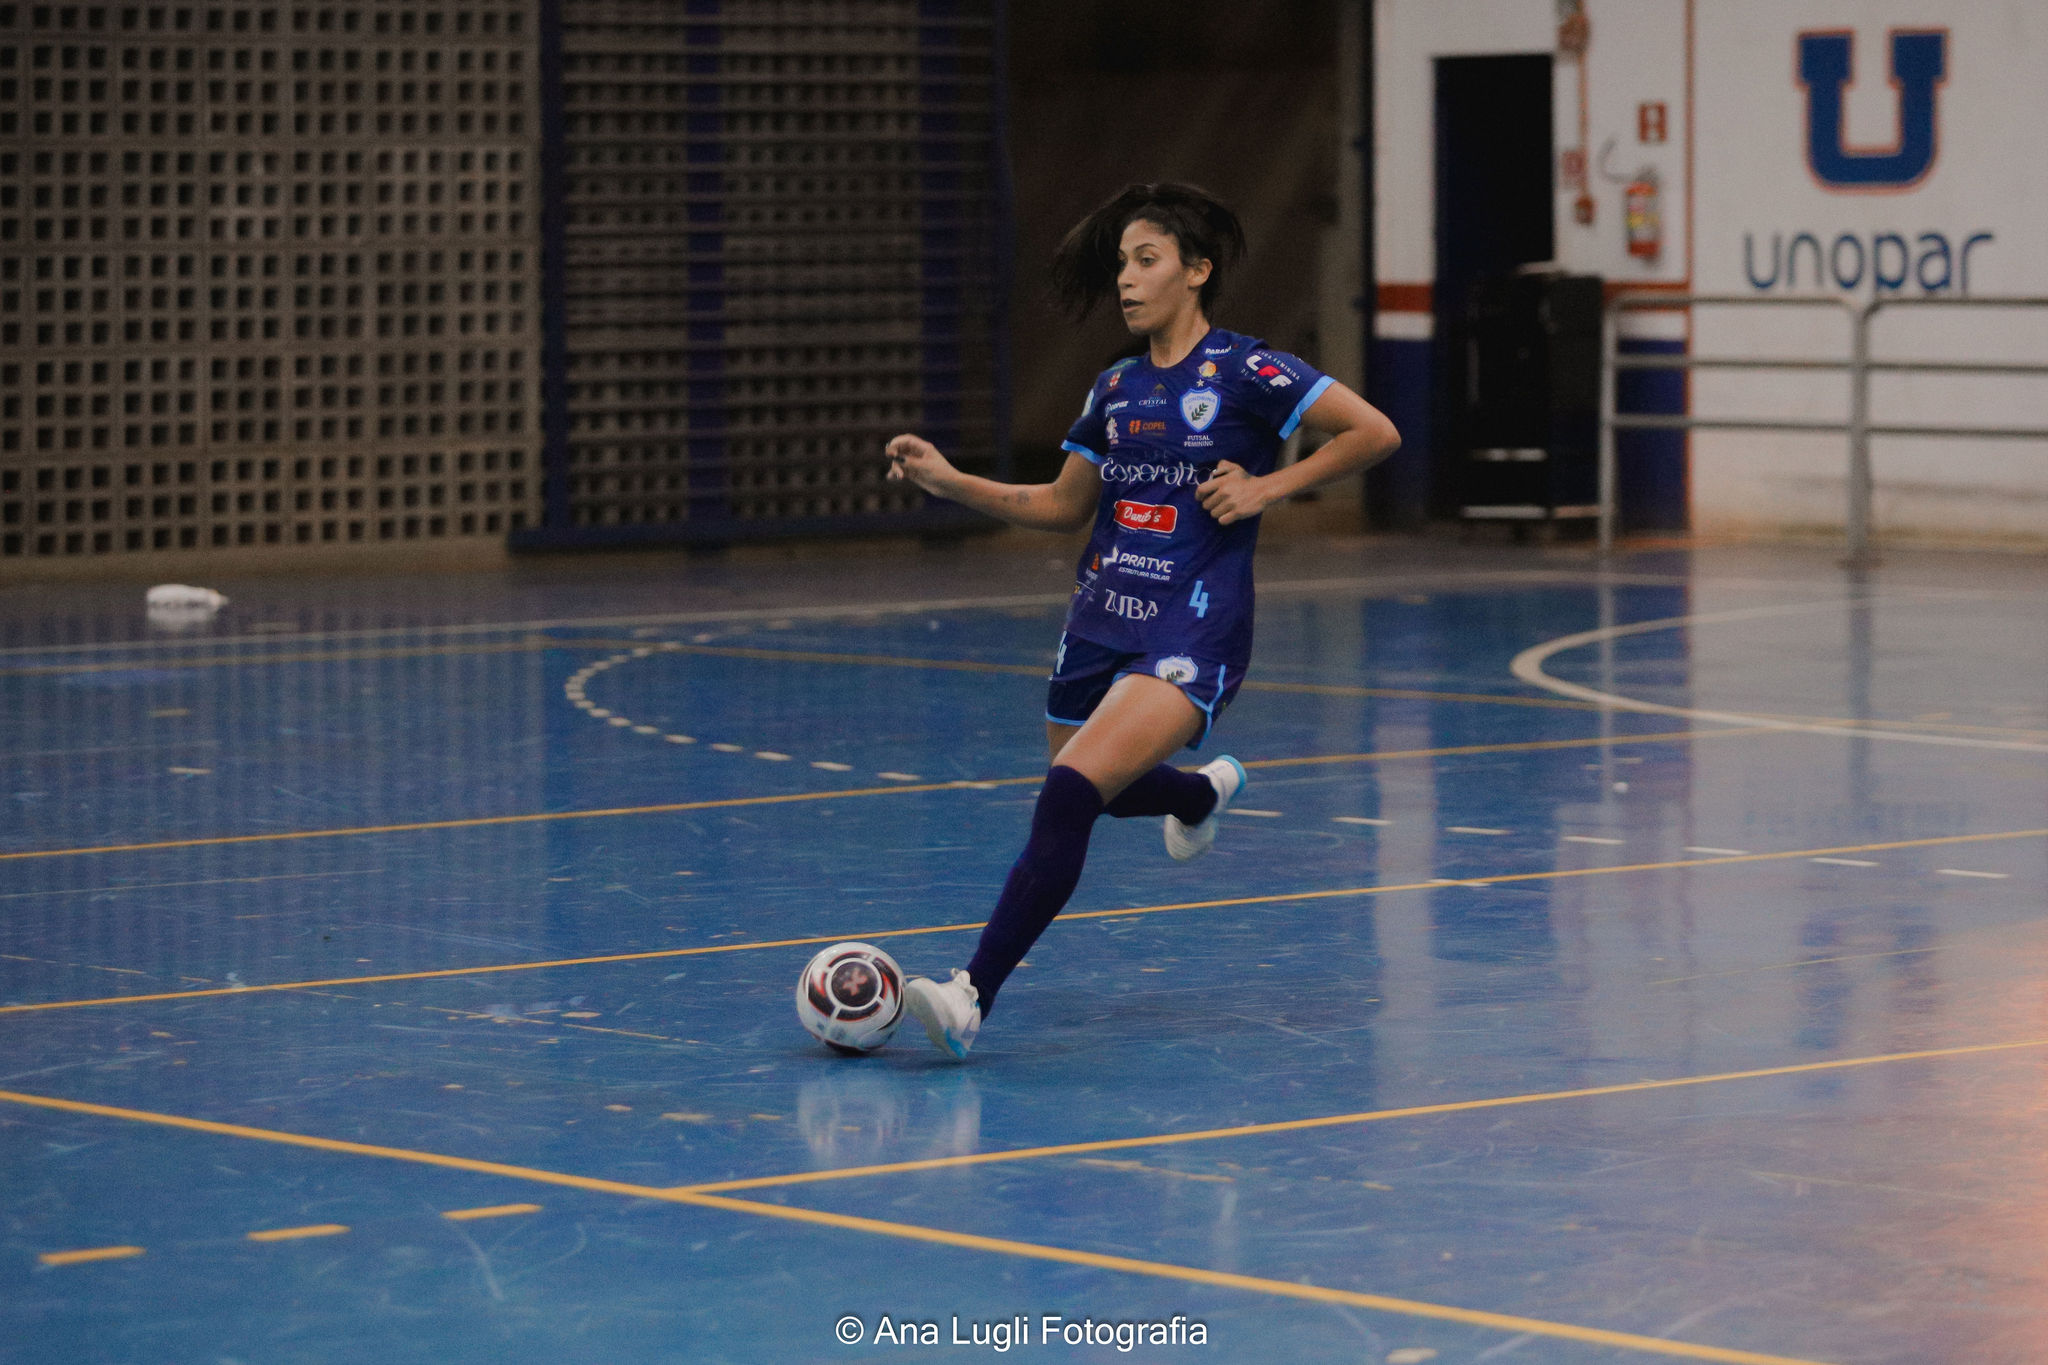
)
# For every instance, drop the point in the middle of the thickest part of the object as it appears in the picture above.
(1160, 573)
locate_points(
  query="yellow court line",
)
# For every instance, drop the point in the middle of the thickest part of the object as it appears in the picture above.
(1503, 1322)
(1519, 747)
(493, 1211)
(1788, 966)
(767, 655)
(484, 821)
(338, 656)
(900, 661)
(1070, 1149)
(1039, 670)
(295, 1234)
(911, 661)
(1277, 898)
(743, 652)
(903, 789)
(1313, 1293)
(90, 1254)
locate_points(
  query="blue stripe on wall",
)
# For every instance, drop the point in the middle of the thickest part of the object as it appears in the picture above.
(1650, 466)
(1398, 491)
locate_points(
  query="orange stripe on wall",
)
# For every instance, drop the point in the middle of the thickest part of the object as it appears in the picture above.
(1406, 298)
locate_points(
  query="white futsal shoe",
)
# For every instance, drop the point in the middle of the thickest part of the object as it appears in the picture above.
(949, 1010)
(1226, 775)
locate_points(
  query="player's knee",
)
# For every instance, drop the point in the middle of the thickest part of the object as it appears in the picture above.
(1068, 800)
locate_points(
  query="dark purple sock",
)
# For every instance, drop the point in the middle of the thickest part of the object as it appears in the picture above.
(1040, 882)
(1166, 790)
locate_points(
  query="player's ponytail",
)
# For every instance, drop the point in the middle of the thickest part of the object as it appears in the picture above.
(1084, 268)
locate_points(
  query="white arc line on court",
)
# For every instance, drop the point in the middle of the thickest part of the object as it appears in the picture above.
(1528, 667)
(1381, 584)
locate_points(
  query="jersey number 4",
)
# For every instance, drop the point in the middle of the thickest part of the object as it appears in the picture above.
(1200, 601)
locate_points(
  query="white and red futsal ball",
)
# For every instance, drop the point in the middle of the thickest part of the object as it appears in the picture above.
(850, 997)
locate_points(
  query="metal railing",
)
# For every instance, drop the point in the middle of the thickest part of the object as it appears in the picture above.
(1858, 365)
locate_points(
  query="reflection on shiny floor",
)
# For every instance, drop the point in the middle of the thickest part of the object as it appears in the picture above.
(1603, 964)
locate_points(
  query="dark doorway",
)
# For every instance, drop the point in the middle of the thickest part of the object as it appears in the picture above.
(1493, 213)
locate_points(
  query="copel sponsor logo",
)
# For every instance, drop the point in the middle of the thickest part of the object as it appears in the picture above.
(1138, 426)
(1147, 516)
(1128, 607)
(1935, 260)
(1177, 475)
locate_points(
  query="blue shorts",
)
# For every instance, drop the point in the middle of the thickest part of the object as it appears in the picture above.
(1083, 672)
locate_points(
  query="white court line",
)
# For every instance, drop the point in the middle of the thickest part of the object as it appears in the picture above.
(1474, 829)
(1965, 872)
(1528, 667)
(1359, 820)
(1245, 810)
(1722, 852)
(1844, 862)
(1379, 585)
(1590, 839)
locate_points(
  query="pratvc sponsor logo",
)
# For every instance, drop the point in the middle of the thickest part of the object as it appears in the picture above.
(1147, 516)
(1142, 566)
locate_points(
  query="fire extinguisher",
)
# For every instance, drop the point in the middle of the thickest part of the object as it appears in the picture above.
(1641, 222)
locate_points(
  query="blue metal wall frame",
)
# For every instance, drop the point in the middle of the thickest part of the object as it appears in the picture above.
(963, 298)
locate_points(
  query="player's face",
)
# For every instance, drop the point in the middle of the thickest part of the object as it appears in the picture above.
(1153, 285)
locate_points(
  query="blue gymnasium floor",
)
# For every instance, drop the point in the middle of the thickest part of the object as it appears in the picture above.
(367, 999)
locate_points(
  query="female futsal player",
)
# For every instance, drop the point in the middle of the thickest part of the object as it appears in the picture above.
(1172, 459)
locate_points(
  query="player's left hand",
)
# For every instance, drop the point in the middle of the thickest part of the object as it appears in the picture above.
(1233, 495)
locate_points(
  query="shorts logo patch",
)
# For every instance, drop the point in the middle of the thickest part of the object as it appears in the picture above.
(1147, 516)
(1178, 669)
(1199, 407)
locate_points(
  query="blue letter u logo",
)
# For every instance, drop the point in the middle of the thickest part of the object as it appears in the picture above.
(1919, 64)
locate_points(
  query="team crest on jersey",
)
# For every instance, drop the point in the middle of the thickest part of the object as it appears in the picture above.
(1199, 407)
(1177, 668)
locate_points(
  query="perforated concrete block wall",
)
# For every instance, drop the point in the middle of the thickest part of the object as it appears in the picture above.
(267, 275)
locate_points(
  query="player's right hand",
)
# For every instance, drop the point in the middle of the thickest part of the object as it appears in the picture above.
(918, 460)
